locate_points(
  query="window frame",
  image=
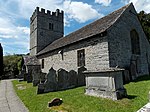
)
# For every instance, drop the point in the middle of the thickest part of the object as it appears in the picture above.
(135, 42)
(81, 57)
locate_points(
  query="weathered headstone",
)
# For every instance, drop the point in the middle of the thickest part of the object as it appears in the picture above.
(63, 79)
(81, 76)
(36, 72)
(51, 82)
(42, 77)
(29, 78)
(29, 73)
(41, 85)
(36, 79)
(41, 88)
(73, 79)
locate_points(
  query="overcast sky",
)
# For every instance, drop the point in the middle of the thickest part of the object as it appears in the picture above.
(15, 14)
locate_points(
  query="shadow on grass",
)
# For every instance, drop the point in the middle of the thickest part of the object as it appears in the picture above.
(142, 78)
(131, 96)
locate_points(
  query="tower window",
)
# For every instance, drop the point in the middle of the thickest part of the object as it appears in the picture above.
(51, 26)
(42, 63)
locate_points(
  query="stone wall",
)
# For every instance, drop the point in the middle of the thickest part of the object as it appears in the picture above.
(96, 56)
(120, 51)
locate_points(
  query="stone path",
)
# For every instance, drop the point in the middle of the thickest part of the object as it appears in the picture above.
(9, 101)
(145, 108)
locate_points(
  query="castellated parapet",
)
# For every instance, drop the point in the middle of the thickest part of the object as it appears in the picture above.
(58, 15)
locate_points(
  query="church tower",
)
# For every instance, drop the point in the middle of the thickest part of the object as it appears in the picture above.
(45, 27)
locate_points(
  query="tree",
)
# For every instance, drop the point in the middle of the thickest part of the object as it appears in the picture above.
(11, 66)
(145, 22)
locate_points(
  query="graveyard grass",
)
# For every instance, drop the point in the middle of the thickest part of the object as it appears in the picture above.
(74, 100)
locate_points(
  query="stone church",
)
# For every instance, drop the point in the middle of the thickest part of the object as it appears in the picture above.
(114, 41)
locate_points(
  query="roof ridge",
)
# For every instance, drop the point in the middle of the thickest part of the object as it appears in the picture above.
(103, 17)
(94, 28)
(126, 6)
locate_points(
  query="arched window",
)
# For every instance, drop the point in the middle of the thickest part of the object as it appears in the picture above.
(135, 42)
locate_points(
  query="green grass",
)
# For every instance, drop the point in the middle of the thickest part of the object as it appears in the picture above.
(74, 100)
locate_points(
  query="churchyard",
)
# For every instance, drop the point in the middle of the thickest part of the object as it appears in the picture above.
(75, 100)
(89, 70)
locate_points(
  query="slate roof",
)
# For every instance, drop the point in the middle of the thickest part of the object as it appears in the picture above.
(30, 60)
(97, 27)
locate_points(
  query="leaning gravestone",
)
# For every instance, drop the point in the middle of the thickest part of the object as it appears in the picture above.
(73, 79)
(51, 83)
(63, 80)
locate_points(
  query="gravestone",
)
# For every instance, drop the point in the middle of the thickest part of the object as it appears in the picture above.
(63, 79)
(36, 72)
(73, 79)
(29, 71)
(41, 85)
(29, 76)
(51, 83)
(41, 88)
(42, 77)
(23, 73)
(36, 79)
(81, 76)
